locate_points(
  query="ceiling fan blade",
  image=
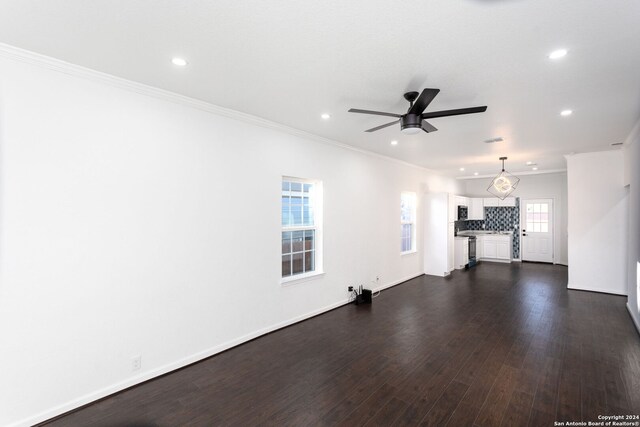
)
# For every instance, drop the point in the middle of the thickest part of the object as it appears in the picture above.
(428, 127)
(446, 113)
(377, 113)
(382, 126)
(423, 101)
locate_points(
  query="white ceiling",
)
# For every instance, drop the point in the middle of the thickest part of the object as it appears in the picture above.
(289, 61)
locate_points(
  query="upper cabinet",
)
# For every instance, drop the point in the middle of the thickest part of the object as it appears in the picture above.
(476, 208)
(494, 201)
(462, 201)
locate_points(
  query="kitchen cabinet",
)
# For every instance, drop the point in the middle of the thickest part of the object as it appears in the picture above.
(476, 208)
(503, 249)
(461, 251)
(508, 201)
(494, 247)
(494, 201)
(462, 201)
(438, 232)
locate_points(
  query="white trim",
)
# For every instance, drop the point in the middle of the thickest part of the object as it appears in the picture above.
(542, 172)
(21, 55)
(603, 291)
(397, 282)
(636, 321)
(412, 251)
(106, 391)
(504, 261)
(297, 278)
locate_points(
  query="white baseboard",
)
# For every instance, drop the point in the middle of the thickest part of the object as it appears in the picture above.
(397, 282)
(635, 319)
(603, 291)
(504, 261)
(114, 388)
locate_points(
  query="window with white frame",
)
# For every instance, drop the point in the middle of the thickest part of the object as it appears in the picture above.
(301, 228)
(407, 222)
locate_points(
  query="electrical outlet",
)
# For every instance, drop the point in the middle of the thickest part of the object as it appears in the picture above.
(136, 363)
(350, 288)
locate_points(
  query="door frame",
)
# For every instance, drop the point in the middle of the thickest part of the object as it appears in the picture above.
(553, 229)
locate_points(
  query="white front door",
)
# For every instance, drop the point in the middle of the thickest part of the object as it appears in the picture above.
(537, 230)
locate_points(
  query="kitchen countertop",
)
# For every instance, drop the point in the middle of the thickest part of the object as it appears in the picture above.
(467, 233)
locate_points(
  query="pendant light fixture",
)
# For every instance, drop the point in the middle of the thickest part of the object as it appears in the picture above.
(503, 184)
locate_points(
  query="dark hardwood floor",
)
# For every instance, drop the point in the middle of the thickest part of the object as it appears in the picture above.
(501, 344)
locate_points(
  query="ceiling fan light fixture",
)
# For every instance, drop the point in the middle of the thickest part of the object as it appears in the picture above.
(411, 124)
(504, 183)
(411, 130)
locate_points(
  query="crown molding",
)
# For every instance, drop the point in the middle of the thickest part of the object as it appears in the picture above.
(21, 55)
(539, 172)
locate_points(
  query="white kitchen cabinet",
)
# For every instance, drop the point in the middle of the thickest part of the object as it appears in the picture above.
(461, 252)
(503, 248)
(508, 201)
(438, 233)
(489, 248)
(494, 201)
(462, 201)
(494, 247)
(476, 208)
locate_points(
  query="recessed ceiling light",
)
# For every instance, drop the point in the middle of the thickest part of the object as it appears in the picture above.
(566, 112)
(461, 169)
(180, 62)
(535, 169)
(529, 163)
(475, 173)
(394, 142)
(326, 116)
(557, 54)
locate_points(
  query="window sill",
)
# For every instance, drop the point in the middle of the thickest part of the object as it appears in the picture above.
(408, 252)
(299, 278)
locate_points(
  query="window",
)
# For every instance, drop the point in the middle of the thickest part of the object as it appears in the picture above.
(407, 222)
(301, 228)
(537, 217)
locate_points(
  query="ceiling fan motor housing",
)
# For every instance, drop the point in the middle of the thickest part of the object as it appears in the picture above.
(411, 123)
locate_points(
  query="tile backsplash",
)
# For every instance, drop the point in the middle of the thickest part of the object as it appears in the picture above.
(498, 218)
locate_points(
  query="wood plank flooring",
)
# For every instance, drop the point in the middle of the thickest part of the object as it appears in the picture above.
(499, 345)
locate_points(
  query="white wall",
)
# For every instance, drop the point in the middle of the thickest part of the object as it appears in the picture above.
(632, 174)
(543, 186)
(597, 222)
(136, 225)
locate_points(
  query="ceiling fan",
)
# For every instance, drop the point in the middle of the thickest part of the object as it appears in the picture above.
(414, 119)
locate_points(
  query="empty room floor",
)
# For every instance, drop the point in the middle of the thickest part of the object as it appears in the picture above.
(501, 344)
